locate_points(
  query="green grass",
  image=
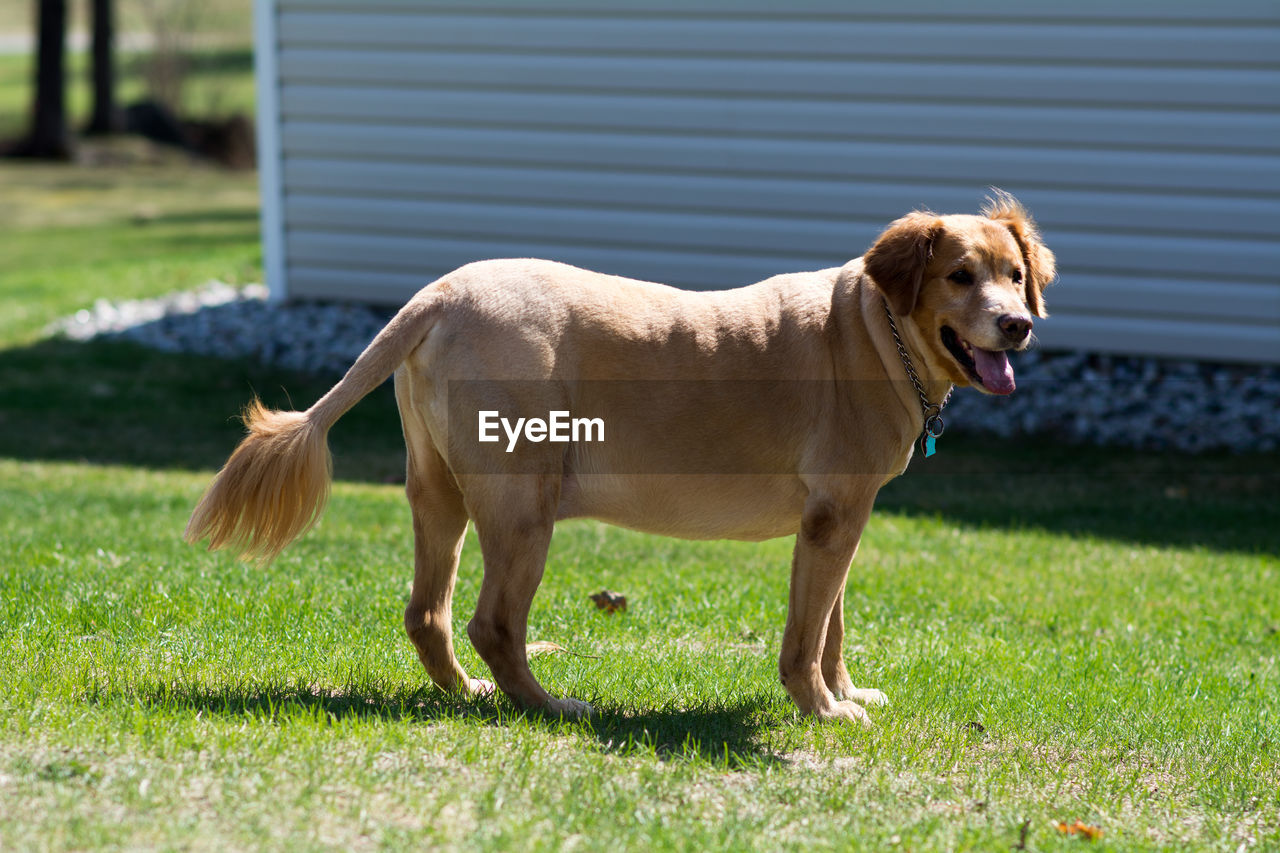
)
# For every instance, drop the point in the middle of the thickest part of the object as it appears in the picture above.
(1063, 633)
(75, 234)
(159, 695)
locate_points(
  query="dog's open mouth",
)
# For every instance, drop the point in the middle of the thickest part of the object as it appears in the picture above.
(989, 368)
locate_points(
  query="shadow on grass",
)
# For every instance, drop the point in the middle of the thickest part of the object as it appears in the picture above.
(219, 238)
(245, 215)
(724, 734)
(118, 403)
(228, 60)
(1220, 501)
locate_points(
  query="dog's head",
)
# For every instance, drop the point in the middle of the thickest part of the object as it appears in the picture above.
(970, 283)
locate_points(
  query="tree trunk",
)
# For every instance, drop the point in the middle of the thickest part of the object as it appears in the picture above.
(49, 138)
(106, 116)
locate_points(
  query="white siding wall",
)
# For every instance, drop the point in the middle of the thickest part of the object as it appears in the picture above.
(711, 143)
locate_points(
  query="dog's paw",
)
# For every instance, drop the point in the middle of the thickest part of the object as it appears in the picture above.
(571, 709)
(478, 687)
(867, 696)
(848, 710)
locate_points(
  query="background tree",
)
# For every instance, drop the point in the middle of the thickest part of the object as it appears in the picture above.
(106, 116)
(49, 137)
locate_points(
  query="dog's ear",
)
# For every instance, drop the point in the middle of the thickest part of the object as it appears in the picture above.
(1039, 261)
(897, 261)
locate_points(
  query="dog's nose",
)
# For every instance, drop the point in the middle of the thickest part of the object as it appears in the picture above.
(1015, 327)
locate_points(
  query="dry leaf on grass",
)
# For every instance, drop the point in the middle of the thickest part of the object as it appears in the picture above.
(546, 647)
(1079, 828)
(609, 602)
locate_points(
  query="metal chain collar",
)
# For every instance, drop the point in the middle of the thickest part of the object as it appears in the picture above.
(933, 424)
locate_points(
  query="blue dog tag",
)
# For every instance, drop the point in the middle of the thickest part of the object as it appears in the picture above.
(933, 427)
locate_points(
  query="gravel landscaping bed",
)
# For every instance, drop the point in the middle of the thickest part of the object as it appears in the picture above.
(229, 322)
(1112, 400)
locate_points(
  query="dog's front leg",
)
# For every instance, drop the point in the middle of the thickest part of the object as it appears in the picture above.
(834, 672)
(828, 539)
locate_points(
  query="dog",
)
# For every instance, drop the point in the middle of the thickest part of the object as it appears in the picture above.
(809, 389)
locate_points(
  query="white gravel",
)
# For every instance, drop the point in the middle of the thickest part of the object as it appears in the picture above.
(1111, 400)
(220, 320)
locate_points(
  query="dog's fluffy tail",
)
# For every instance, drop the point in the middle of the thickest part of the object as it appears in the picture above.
(274, 486)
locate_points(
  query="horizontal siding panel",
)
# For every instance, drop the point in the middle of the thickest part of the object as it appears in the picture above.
(835, 240)
(1178, 257)
(1238, 217)
(418, 261)
(1147, 297)
(965, 123)
(970, 165)
(712, 143)
(717, 233)
(428, 29)
(1189, 11)
(1078, 292)
(355, 285)
(1135, 335)
(1213, 88)
(1150, 336)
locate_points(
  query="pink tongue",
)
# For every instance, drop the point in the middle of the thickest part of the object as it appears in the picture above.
(995, 370)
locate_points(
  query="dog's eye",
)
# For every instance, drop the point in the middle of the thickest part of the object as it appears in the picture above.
(1017, 276)
(961, 276)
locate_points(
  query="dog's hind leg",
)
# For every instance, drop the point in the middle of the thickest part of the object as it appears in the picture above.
(439, 527)
(514, 516)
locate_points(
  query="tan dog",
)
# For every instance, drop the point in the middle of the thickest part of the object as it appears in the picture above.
(775, 409)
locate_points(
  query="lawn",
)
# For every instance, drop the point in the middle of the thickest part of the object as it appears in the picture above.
(1064, 634)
